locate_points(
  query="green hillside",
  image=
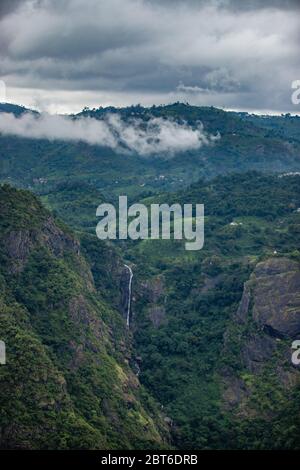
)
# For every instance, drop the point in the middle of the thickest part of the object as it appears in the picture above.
(206, 361)
(226, 383)
(247, 143)
(67, 383)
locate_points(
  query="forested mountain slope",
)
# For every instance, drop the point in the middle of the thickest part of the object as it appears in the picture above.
(67, 382)
(214, 328)
(209, 343)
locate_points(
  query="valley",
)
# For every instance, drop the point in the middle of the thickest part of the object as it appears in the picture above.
(140, 343)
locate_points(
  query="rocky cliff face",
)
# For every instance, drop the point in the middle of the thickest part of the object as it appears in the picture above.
(67, 382)
(266, 322)
(153, 292)
(272, 297)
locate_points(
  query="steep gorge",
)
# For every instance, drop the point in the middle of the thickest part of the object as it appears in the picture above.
(67, 382)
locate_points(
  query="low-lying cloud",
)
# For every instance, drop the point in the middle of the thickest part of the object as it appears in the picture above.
(155, 136)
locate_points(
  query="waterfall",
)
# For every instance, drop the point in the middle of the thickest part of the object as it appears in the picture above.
(129, 295)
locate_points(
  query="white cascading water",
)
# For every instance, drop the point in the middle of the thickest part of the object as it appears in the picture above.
(129, 294)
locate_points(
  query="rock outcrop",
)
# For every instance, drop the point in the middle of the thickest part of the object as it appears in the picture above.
(264, 326)
(154, 293)
(272, 298)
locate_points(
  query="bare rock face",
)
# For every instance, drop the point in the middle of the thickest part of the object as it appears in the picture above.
(157, 315)
(154, 293)
(266, 322)
(257, 350)
(153, 289)
(19, 243)
(274, 292)
(57, 240)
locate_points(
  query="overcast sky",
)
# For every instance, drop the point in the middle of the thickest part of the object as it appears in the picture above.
(62, 55)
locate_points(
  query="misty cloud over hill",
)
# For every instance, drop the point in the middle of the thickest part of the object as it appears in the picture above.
(155, 136)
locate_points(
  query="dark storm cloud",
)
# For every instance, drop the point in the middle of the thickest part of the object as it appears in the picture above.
(220, 52)
(256, 4)
(7, 6)
(238, 4)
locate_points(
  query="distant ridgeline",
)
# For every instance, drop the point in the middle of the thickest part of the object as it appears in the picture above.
(247, 142)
